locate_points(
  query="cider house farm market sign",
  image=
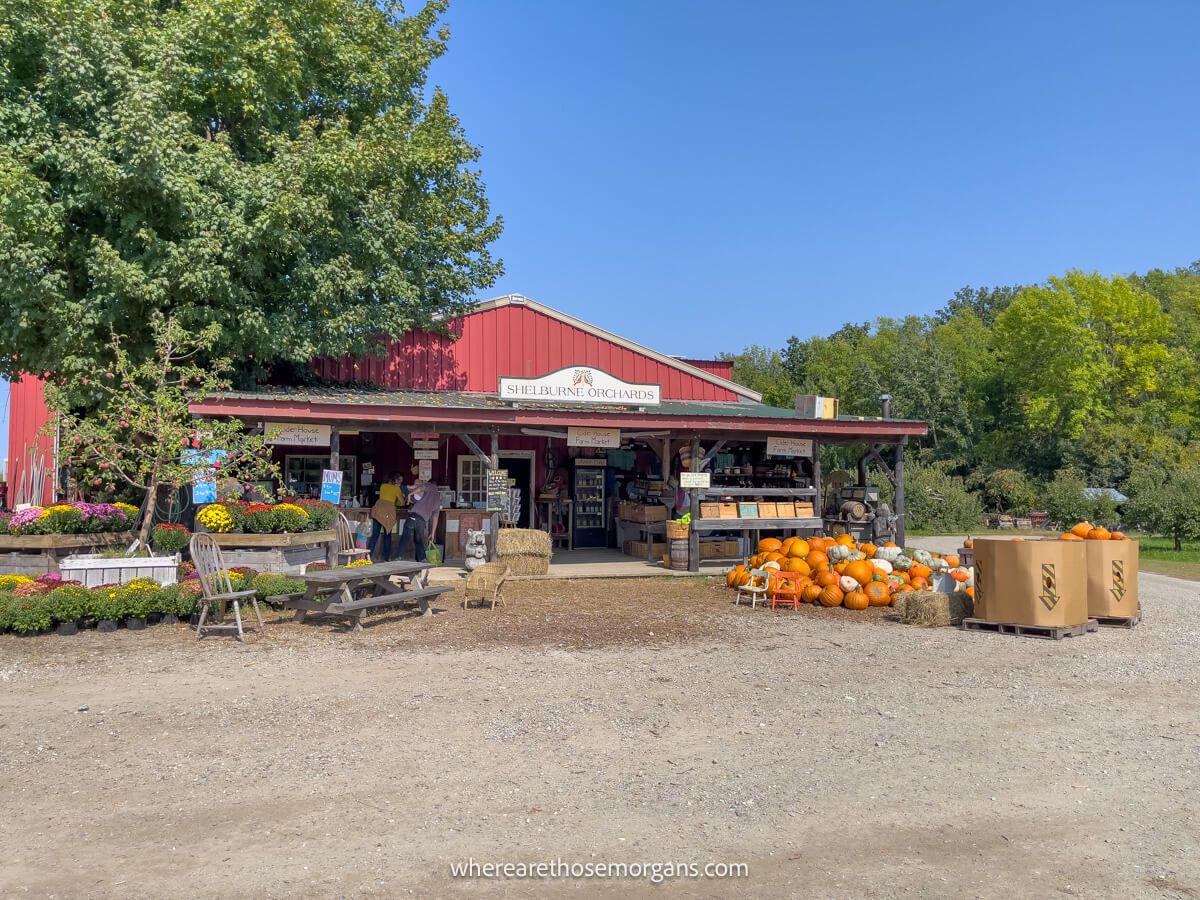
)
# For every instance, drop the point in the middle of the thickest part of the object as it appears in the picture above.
(580, 384)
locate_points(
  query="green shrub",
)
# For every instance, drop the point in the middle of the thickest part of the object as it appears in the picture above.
(1064, 499)
(7, 610)
(105, 602)
(140, 597)
(170, 539)
(937, 501)
(68, 603)
(30, 614)
(179, 599)
(320, 513)
(270, 585)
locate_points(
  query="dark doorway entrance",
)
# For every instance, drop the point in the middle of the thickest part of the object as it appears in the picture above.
(521, 469)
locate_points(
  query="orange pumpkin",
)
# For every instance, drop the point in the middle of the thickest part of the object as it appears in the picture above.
(1081, 529)
(877, 594)
(817, 560)
(1069, 536)
(734, 573)
(951, 561)
(799, 549)
(845, 540)
(919, 570)
(868, 550)
(743, 579)
(969, 543)
(860, 570)
(766, 545)
(890, 544)
(856, 600)
(1118, 536)
(970, 592)
(811, 593)
(1099, 533)
(825, 577)
(918, 583)
(797, 565)
(832, 596)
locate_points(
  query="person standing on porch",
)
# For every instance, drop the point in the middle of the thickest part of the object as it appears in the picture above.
(422, 517)
(383, 516)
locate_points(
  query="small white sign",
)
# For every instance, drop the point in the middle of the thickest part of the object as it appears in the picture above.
(298, 435)
(593, 437)
(433, 435)
(425, 445)
(695, 479)
(789, 446)
(425, 454)
(424, 470)
(580, 384)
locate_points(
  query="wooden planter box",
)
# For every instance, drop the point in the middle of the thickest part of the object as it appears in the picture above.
(283, 553)
(38, 554)
(92, 569)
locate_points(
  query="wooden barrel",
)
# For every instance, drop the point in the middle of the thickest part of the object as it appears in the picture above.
(679, 554)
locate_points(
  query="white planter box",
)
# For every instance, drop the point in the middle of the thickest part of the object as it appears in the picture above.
(92, 569)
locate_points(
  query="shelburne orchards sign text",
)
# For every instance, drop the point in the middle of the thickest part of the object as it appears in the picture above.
(579, 384)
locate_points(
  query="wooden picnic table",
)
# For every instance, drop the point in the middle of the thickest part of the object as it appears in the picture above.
(350, 591)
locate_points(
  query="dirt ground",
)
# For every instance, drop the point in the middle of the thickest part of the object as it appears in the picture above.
(835, 754)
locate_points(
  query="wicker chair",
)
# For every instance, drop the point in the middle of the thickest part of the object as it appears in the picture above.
(216, 587)
(486, 583)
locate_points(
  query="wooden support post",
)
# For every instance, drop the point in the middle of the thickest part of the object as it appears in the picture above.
(495, 447)
(694, 509)
(335, 448)
(898, 470)
(475, 448)
(666, 458)
(819, 499)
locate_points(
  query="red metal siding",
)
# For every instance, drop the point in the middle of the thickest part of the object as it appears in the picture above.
(27, 415)
(722, 368)
(515, 341)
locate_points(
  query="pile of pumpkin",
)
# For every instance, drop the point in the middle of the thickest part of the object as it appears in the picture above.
(1086, 531)
(841, 572)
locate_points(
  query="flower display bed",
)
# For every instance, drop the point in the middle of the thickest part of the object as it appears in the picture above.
(281, 553)
(37, 554)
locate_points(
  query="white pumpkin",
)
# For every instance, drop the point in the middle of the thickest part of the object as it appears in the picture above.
(902, 563)
(889, 554)
(856, 555)
(770, 565)
(882, 565)
(848, 584)
(838, 552)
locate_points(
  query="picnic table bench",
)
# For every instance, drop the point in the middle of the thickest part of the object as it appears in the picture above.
(352, 591)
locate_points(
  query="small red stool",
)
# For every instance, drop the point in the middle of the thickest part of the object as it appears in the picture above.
(784, 589)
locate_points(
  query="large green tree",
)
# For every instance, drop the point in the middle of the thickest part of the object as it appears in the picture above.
(278, 168)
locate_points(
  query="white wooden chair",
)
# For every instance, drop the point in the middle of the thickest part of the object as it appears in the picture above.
(755, 588)
(215, 587)
(347, 550)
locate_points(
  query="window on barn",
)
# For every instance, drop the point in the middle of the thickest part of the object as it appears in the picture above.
(472, 479)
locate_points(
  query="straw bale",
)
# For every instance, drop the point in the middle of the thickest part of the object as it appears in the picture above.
(523, 542)
(933, 608)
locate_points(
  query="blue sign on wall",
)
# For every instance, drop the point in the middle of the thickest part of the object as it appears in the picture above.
(204, 491)
(331, 486)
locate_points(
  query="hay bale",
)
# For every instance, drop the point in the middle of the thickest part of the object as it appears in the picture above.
(526, 551)
(523, 542)
(931, 609)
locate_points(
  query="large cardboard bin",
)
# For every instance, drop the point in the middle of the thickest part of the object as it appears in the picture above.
(1112, 578)
(1031, 582)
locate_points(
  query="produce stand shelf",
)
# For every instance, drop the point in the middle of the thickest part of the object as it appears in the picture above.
(755, 524)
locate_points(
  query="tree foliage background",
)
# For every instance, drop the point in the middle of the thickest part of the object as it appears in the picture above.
(1031, 392)
(276, 168)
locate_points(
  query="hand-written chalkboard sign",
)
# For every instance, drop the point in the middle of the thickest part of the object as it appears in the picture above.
(497, 489)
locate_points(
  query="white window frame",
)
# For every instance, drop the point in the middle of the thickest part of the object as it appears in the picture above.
(470, 461)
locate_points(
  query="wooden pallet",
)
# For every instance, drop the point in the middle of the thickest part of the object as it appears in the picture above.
(1046, 632)
(1118, 621)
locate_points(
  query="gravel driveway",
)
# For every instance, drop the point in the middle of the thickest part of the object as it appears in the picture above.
(832, 754)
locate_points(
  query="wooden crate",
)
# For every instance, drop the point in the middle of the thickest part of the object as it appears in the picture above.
(641, 512)
(710, 510)
(638, 549)
(747, 510)
(728, 510)
(719, 549)
(770, 510)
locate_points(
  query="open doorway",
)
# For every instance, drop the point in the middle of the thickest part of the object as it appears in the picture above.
(520, 468)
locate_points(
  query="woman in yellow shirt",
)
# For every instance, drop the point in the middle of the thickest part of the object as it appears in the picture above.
(383, 515)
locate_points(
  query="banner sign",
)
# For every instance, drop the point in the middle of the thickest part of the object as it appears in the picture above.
(695, 479)
(580, 384)
(789, 446)
(427, 435)
(425, 454)
(423, 444)
(593, 437)
(298, 435)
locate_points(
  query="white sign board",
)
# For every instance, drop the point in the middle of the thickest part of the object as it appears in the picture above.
(789, 446)
(695, 479)
(593, 437)
(298, 435)
(425, 445)
(580, 384)
(424, 470)
(425, 454)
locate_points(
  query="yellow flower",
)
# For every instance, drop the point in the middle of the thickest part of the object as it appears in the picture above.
(215, 518)
(127, 507)
(59, 508)
(8, 582)
(292, 508)
(358, 562)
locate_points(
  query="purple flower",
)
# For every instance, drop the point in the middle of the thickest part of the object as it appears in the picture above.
(25, 517)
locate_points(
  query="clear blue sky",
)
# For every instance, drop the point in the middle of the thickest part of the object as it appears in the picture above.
(699, 177)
